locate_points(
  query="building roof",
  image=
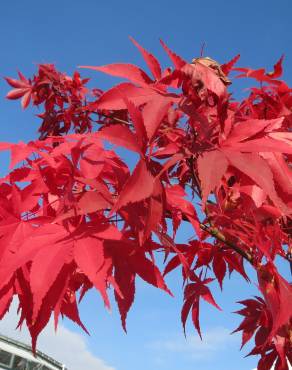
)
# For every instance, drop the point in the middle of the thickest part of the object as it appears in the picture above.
(25, 351)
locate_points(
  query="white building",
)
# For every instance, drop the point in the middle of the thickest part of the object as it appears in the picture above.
(15, 355)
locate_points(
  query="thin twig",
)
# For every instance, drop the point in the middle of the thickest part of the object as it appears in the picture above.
(197, 189)
(113, 118)
(219, 236)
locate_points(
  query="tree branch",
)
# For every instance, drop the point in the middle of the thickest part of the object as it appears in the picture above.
(213, 231)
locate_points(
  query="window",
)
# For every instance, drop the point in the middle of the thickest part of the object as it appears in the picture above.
(19, 363)
(5, 358)
(34, 366)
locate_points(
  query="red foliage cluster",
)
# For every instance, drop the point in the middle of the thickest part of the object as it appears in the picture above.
(73, 216)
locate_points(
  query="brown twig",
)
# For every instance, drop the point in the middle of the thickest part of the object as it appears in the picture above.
(213, 231)
(113, 118)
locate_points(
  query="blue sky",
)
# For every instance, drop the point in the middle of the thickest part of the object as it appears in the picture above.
(72, 33)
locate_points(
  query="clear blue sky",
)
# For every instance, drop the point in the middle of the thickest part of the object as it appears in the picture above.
(72, 33)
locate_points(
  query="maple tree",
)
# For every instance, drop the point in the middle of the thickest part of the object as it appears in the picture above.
(74, 216)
